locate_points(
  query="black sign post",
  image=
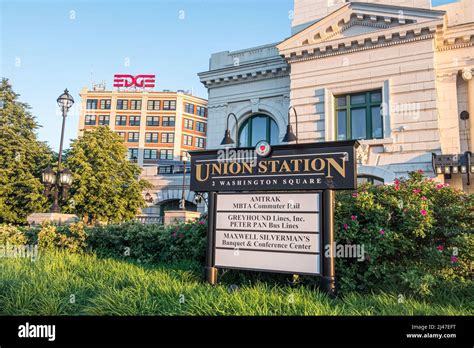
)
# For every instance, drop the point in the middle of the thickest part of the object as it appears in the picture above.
(312, 170)
(328, 274)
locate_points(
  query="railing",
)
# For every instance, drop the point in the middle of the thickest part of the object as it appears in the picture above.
(149, 219)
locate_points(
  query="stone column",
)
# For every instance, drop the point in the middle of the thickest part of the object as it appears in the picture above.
(467, 76)
(448, 120)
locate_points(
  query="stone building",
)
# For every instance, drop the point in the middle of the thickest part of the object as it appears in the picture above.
(395, 74)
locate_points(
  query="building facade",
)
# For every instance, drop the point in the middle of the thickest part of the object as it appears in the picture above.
(158, 129)
(394, 74)
(154, 125)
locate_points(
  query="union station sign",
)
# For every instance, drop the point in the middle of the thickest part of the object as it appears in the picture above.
(271, 209)
(329, 165)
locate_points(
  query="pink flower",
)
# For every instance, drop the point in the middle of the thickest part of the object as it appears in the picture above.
(355, 194)
(423, 212)
(396, 182)
(174, 234)
(202, 222)
(440, 247)
(353, 217)
(345, 226)
(382, 231)
(423, 198)
(439, 186)
(416, 191)
(397, 187)
(420, 171)
(454, 259)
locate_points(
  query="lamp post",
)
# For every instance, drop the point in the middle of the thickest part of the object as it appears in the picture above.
(290, 136)
(184, 159)
(227, 138)
(60, 180)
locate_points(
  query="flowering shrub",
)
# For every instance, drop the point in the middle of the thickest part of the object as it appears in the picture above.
(71, 237)
(11, 235)
(416, 234)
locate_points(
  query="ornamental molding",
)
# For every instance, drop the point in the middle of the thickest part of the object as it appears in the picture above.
(357, 47)
(236, 76)
(387, 25)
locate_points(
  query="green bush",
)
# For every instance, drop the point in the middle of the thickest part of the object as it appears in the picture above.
(71, 237)
(150, 243)
(417, 234)
(12, 235)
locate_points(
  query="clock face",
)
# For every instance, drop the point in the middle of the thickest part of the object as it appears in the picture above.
(263, 148)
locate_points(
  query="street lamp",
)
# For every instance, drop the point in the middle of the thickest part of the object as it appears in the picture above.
(227, 138)
(290, 136)
(148, 198)
(60, 180)
(184, 159)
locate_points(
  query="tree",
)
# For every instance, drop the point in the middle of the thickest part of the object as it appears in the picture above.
(106, 186)
(22, 158)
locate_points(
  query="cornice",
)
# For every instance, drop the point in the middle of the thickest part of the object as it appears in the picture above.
(380, 38)
(245, 73)
(456, 37)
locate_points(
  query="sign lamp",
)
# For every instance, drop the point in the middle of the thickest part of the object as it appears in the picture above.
(227, 138)
(290, 136)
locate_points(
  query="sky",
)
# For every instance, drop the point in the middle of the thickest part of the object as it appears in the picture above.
(50, 45)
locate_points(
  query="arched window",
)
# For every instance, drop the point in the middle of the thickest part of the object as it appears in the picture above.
(256, 128)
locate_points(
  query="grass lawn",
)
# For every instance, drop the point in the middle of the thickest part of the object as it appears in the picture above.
(66, 284)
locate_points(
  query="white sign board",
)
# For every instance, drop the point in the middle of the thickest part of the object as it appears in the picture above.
(277, 232)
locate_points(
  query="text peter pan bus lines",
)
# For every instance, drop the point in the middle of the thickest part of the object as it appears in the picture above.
(274, 212)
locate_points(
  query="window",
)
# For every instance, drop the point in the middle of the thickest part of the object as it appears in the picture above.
(135, 104)
(164, 169)
(166, 154)
(201, 127)
(169, 105)
(133, 154)
(256, 128)
(200, 143)
(152, 121)
(151, 137)
(133, 137)
(150, 154)
(168, 121)
(122, 134)
(91, 104)
(90, 120)
(358, 116)
(134, 121)
(153, 105)
(201, 111)
(105, 104)
(104, 120)
(121, 120)
(188, 140)
(122, 104)
(189, 108)
(188, 124)
(167, 137)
